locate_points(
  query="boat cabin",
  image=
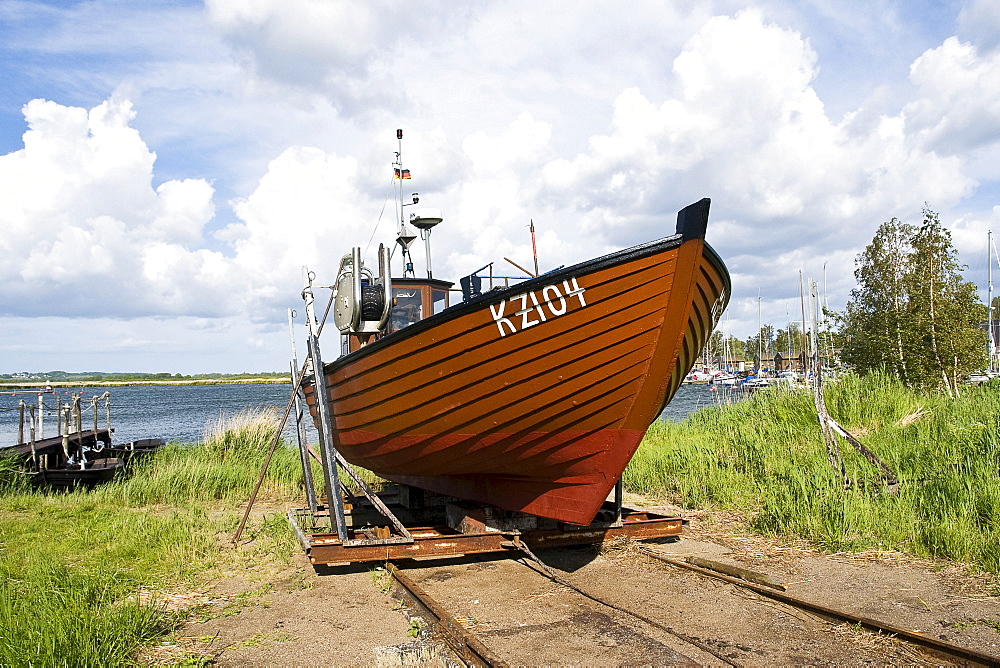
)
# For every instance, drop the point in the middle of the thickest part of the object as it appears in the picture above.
(413, 299)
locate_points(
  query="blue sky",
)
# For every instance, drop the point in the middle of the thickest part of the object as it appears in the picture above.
(166, 168)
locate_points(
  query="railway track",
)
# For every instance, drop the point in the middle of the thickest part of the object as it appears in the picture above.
(647, 609)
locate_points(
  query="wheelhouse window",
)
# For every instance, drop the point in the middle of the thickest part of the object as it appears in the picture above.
(408, 308)
(439, 300)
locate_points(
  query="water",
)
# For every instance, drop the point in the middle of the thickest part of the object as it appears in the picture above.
(184, 412)
(689, 398)
(171, 412)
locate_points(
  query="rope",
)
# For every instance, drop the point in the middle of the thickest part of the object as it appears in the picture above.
(614, 606)
(379, 221)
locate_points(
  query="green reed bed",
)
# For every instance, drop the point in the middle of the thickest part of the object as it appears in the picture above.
(224, 466)
(765, 457)
(77, 569)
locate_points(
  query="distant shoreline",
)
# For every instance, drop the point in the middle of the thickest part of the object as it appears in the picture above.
(35, 385)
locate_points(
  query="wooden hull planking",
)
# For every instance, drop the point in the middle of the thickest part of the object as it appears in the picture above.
(533, 398)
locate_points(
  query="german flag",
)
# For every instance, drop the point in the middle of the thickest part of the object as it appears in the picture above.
(402, 174)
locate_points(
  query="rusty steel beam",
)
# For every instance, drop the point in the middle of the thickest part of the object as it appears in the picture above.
(445, 542)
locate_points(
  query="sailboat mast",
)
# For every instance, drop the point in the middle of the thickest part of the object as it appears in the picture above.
(989, 301)
(760, 336)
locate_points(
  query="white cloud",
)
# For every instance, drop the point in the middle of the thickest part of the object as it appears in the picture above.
(745, 125)
(77, 209)
(958, 108)
(596, 123)
(980, 19)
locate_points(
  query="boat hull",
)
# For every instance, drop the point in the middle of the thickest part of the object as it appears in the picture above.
(533, 398)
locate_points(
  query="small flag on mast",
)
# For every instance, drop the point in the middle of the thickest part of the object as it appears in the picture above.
(402, 173)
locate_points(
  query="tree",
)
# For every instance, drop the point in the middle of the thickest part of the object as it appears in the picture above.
(720, 345)
(761, 343)
(912, 314)
(874, 318)
(945, 308)
(788, 342)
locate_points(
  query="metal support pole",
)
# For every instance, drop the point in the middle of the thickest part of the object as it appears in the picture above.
(328, 448)
(618, 502)
(426, 234)
(300, 428)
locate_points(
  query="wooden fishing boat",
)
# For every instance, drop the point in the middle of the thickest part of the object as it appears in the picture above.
(94, 472)
(80, 459)
(533, 397)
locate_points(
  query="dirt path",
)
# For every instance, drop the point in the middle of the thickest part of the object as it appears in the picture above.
(346, 617)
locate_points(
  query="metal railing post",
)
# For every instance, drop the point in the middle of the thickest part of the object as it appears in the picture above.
(327, 436)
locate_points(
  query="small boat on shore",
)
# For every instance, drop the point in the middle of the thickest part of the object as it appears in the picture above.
(77, 457)
(532, 397)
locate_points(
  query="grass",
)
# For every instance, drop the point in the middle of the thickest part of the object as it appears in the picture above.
(765, 457)
(76, 569)
(225, 466)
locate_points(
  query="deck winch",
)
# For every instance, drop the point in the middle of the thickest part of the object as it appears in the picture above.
(362, 302)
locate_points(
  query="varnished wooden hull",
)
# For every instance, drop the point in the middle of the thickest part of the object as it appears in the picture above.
(535, 397)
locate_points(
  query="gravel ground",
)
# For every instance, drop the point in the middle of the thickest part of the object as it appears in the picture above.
(348, 617)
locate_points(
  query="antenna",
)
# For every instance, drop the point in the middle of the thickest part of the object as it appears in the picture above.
(534, 248)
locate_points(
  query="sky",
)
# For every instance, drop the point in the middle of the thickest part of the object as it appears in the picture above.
(168, 168)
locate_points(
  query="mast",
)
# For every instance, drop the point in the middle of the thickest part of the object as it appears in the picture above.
(760, 337)
(405, 236)
(990, 345)
(423, 220)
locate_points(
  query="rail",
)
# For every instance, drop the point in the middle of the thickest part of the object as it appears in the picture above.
(468, 648)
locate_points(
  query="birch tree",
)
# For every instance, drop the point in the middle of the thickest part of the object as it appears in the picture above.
(875, 331)
(912, 313)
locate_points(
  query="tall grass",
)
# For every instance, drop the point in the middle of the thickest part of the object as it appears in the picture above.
(766, 457)
(225, 466)
(73, 567)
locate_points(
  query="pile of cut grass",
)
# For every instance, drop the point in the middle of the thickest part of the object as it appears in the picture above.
(765, 457)
(76, 569)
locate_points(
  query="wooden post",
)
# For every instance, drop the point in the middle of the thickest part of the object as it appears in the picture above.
(41, 416)
(34, 458)
(77, 415)
(66, 425)
(20, 425)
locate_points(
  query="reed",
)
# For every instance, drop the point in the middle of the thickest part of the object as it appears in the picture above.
(225, 466)
(765, 457)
